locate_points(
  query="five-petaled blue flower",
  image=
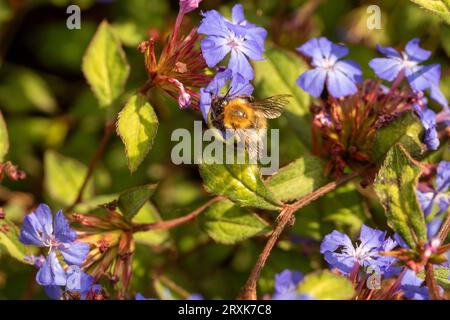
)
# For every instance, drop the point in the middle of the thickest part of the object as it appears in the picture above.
(38, 229)
(238, 37)
(439, 195)
(428, 119)
(286, 284)
(340, 76)
(419, 77)
(239, 86)
(341, 254)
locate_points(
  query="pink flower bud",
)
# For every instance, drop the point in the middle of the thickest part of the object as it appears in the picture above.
(187, 6)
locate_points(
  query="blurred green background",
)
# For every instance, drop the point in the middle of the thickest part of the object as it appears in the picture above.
(49, 108)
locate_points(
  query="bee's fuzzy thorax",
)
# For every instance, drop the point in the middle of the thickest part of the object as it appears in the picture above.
(238, 114)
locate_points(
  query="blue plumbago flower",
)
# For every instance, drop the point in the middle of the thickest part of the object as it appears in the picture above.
(286, 284)
(428, 119)
(341, 254)
(238, 37)
(38, 229)
(79, 284)
(239, 86)
(412, 286)
(439, 196)
(409, 61)
(341, 76)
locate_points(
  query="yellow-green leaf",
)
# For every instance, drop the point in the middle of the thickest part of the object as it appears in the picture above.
(228, 224)
(395, 185)
(9, 240)
(325, 285)
(440, 8)
(64, 177)
(105, 66)
(298, 178)
(4, 141)
(137, 127)
(241, 183)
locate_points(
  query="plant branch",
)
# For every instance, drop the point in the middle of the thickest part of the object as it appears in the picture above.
(443, 233)
(107, 133)
(168, 224)
(248, 292)
(430, 280)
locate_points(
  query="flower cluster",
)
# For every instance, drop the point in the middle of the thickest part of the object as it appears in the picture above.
(41, 230)
(351, 111)
(238, 38)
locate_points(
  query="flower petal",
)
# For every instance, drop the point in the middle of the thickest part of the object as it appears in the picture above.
(426, 200)
(213, 23)
(63, 231)
(32, 231)
(334, 240)
(51, 272)
(371, 238)
(351, 69)
(313, 81)
(339, 85)
(53, 292)
(389, 52)
(239, 64)
(214, 50)
(415, 52)
(443, 176)
(237, 14)
(386, 69)
(73, 278)
(74, 253)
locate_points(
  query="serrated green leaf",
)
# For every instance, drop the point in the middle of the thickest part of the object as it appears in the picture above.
(228, 224)
(395, 186)
(438, 7)
(405, 130)
(325, 285)
(64, 177)
(277, 75)
(4, 140)
(132, 200)
(298, 178)
(441, 275)
(105, 66)
(149, 214)
(9, 240)
(137, 126)
(241, 183)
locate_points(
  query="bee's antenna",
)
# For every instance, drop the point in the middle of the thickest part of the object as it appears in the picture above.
(228, 92)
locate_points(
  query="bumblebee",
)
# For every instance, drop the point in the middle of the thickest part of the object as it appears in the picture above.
(246, 117)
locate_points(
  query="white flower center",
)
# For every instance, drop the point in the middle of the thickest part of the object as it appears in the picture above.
(235, 41)
(408, 63)
(328, 64)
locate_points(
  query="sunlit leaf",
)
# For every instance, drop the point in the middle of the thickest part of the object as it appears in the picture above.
(439, 7)
(137, 126)
(64, 177)
(395, 185)
(325, 285)
(105, 66)
(4, 141)
(228, 224)
(9, 240)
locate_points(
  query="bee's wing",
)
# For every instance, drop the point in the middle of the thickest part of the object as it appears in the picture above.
(253, 141)
(271, 107)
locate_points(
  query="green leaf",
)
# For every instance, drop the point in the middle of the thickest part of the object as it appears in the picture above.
(438, 7)
(241, 183)
(325, 285)
(228, 224)
(105, 66)
(405, 130)
(149, 214)
(64, 177)
(298, 178)
(132, 200)
(277, 75)
(441, 275)
(395, 186)
(9, 239)
(4, 141)
(137, 126)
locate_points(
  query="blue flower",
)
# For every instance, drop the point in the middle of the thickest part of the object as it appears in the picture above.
(239, 86)
(341, 254)
(419, 77)
(412, 286)
(38, 229)
(439, 196)
(341, 77)
(428, 119)
(77, 282)
(286, 284)
(238, 37)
